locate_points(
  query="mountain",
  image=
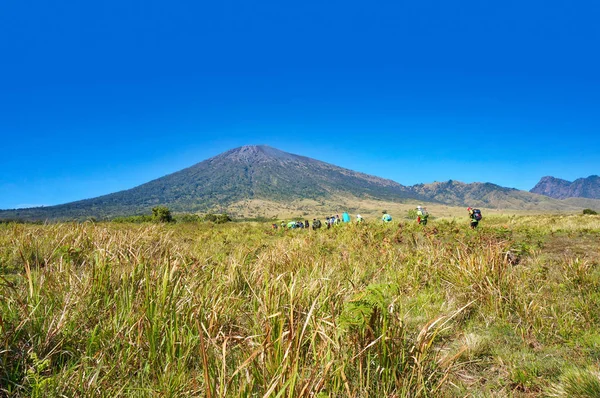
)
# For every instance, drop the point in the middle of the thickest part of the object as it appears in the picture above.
(241, 174)
(483, 195)
(561, 189)
(259, 180)
(488, 195)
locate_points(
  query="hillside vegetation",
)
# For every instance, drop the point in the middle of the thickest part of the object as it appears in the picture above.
(509, 309)
(213, 185)
(238, 181)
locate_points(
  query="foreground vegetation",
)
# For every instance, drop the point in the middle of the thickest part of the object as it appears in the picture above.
(510, 309)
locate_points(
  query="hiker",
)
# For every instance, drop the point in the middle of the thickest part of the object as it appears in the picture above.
(386, 218)
(474, 217)
(292, 225)
(316, 224)
(306, 224)
(346, 217)
(422, 215)
(274, 226)
(327, 223)
(331, 221)
(359, 219)
(337, 219)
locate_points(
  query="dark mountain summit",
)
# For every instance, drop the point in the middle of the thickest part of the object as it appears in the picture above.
(561, 189)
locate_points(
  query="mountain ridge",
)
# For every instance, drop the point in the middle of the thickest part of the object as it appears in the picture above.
(261, 173)
(558, 188)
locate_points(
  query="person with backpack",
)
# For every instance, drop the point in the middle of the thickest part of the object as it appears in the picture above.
(386, 218)
(474, 217)
(359, 219)
(306, 224)
(422, 215)
(316, 224)
(346, 217)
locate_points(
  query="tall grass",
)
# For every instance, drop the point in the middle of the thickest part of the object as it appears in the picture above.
(242, 310)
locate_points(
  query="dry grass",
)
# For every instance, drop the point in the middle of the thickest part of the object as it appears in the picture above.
(367, 207)
(242, 310)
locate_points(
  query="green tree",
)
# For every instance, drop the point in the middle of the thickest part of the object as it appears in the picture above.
(161, 214)
(210, 217)
(589, 211)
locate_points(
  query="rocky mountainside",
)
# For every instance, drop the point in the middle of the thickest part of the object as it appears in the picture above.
(561, 189)
(479, 194)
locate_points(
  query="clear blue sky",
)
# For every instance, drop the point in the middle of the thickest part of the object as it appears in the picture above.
(97, 97)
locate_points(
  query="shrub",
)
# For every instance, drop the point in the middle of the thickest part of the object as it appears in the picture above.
(411, 214)
(188, 218)
(161, 214)
(133, 219)
(589, 211)
(210, 217)
(217, 218)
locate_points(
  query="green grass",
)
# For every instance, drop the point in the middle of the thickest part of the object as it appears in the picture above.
(359, 310)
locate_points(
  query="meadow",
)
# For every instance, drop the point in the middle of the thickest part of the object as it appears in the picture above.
(241, 310)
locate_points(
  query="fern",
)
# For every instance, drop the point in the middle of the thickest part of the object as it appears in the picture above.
(368, 308)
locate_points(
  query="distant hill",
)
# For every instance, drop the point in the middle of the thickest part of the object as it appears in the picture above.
(489, 195)
(261, 177)
(561, 189)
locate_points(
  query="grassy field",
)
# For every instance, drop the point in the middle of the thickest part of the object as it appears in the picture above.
(509, 309)
(370, 208)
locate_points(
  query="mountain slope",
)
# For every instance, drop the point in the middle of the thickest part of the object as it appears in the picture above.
(488, 195)
(561, 189)
(262, 178)
(248, 172)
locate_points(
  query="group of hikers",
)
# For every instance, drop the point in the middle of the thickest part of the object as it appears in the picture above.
(330, 221)
(421, 213)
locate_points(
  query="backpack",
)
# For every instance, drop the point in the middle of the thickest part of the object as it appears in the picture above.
(387, 218)
(317, 224)
(477, 214)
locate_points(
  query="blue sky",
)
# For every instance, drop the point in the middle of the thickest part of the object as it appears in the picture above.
(97, 97)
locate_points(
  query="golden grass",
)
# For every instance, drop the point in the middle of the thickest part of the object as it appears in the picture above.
(242, 310)
(369, 208)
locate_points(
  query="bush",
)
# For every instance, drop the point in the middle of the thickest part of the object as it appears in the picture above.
(133, 219)
(161, 214)
(589, 211)
(217, 218)
(188, 218)
(411, 214)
